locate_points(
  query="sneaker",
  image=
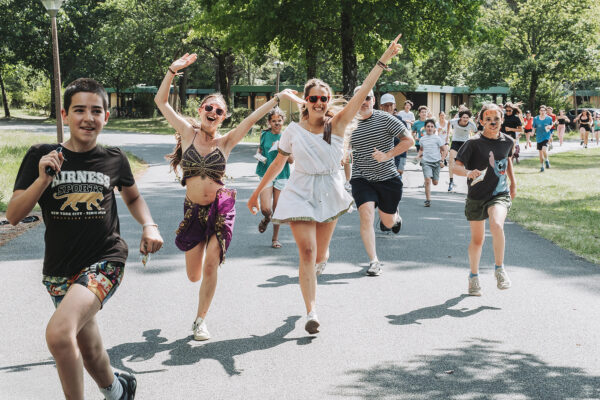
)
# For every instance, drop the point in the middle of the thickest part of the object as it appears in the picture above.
(374, 268)
(502, 278)
(383, 227)
(398, 225)
(474, 287)
(547, 162)
(451, 186)
(312, 323)
(348, 187)
(200, 329)
(581, 143)
(129, 385)
(550, 147)
(542, 169)
(320, 267)
(427, 203)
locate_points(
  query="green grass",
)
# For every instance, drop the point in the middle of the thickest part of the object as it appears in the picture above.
(563, 203)
(13, 147)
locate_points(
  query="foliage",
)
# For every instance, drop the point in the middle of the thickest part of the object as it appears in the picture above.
(39, 97)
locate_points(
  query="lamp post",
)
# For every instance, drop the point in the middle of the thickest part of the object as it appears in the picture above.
(52, 6)
(278, 65)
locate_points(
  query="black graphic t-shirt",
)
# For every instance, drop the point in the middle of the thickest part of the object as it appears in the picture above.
(79, 207)
(490, 156)
(511, 121)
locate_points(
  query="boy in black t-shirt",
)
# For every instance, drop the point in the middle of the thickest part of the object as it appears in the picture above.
(85, 255)
(486, 162)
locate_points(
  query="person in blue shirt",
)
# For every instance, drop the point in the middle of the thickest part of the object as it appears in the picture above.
(542, 124)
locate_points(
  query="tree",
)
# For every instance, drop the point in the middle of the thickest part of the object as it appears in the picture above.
(527, 42)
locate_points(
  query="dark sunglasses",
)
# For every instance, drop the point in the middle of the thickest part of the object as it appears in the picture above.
(209, 108)
(368, 98)
(313, 99)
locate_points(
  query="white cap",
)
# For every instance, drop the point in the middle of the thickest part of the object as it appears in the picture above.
(370, 91)
(387, 98)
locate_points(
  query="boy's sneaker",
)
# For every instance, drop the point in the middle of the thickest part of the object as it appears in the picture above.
(383, 227)
(320, 267)
(129, 385)
(542, 169)
(427, 203)
(547, 162)
(451, 186)
(398, 225)
(374, 268)
(474, 287)
(200, 329)
(502, 280)
(550, 147)
(348, 187)
(312, 323)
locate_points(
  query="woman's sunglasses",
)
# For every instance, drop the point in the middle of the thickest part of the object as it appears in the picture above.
(313, 99)
(209, 108)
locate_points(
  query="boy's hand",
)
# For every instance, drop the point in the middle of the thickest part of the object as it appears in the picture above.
(53, 160)
(380, 156)
(151, 240)
(253, 203)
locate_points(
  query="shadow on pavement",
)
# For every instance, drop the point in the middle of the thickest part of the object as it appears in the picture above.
(477, 370)
(324, 279)
(186, 351)
(435, 312)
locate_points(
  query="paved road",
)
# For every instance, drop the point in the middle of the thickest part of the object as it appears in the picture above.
(411, 333)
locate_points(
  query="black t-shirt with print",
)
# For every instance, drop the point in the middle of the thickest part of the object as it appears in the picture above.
(79, 207)
(511, 121)
(475, 154)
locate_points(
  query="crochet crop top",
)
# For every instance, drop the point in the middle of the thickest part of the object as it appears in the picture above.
(211, 165)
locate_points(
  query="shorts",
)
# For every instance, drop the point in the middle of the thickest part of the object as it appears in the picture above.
(101, 278)
(278, 184)
(385, 194)
(528, 130)
(400, 163)
(200, 222)
(477, 210)
(431, 170)
(456, 145)
(586, 127)
(542, 144)
(418, 146)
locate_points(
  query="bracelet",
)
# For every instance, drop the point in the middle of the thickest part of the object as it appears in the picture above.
(173, 72)
(383, 66)
(149, 224)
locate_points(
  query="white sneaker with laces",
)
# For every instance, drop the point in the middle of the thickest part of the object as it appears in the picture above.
(502, 280)
(320, 267)
(374, 268)
(312, 323)
(474, 287)
(200, 330)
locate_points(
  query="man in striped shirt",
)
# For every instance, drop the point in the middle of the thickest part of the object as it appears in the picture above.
(375, 179)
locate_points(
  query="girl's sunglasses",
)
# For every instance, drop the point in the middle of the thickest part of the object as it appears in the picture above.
(209, 108)
(313, 99)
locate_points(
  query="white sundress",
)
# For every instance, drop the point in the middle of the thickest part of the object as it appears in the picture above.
(315, 190)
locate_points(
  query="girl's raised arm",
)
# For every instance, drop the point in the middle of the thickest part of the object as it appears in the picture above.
(183, 127)
(344, 117)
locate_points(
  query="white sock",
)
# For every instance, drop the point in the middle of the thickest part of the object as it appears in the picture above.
(114, 391)
(374, 260)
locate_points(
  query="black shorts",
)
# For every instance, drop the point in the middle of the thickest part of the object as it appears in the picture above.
(586, 127)
(528, 130)
(456, 145)
(385, 194)
(542, 144)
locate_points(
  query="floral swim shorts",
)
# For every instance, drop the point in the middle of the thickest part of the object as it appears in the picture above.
(101, 278)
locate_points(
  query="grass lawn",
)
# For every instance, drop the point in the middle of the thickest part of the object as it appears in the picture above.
(563, 203)
(13, 147)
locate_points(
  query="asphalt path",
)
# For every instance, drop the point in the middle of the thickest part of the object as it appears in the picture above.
(411, 333)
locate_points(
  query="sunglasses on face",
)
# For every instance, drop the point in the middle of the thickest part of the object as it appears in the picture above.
(314, 99)
(219, 111)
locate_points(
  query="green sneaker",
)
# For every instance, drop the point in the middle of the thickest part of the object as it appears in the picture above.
(474, 287)
(502, 278)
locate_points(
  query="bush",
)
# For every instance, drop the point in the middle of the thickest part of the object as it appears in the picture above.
(191, 108)
(144, 104)
(40, 97)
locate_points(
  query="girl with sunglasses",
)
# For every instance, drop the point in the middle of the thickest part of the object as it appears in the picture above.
(209, 212)
(314, 196)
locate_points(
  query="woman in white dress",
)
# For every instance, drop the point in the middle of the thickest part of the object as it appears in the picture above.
(314, 196)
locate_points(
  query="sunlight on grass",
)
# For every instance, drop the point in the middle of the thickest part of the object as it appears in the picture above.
(563, 203)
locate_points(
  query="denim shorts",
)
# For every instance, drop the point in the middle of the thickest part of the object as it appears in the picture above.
(101, 278)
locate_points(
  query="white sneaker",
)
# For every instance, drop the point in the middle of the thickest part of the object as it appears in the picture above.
(200, 330)
(374, 268)
(312, 323)
(474, 287)
(502, 280)
(348, 187)
(320, 267)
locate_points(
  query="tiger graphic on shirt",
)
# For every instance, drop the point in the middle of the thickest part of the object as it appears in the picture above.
(90, 199)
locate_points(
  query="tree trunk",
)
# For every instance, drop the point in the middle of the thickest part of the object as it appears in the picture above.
(230, 75)
(52, 97)
(222, 84)
(4, 98)
(183, 80)
(349, 67)
(533, 86)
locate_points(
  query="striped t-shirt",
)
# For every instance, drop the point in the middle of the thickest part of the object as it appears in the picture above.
(377, 131)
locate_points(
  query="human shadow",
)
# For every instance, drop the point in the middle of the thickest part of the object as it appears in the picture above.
(477, 370)
(324, 279)
(26, 367)
(438, 311)
(186, 351)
